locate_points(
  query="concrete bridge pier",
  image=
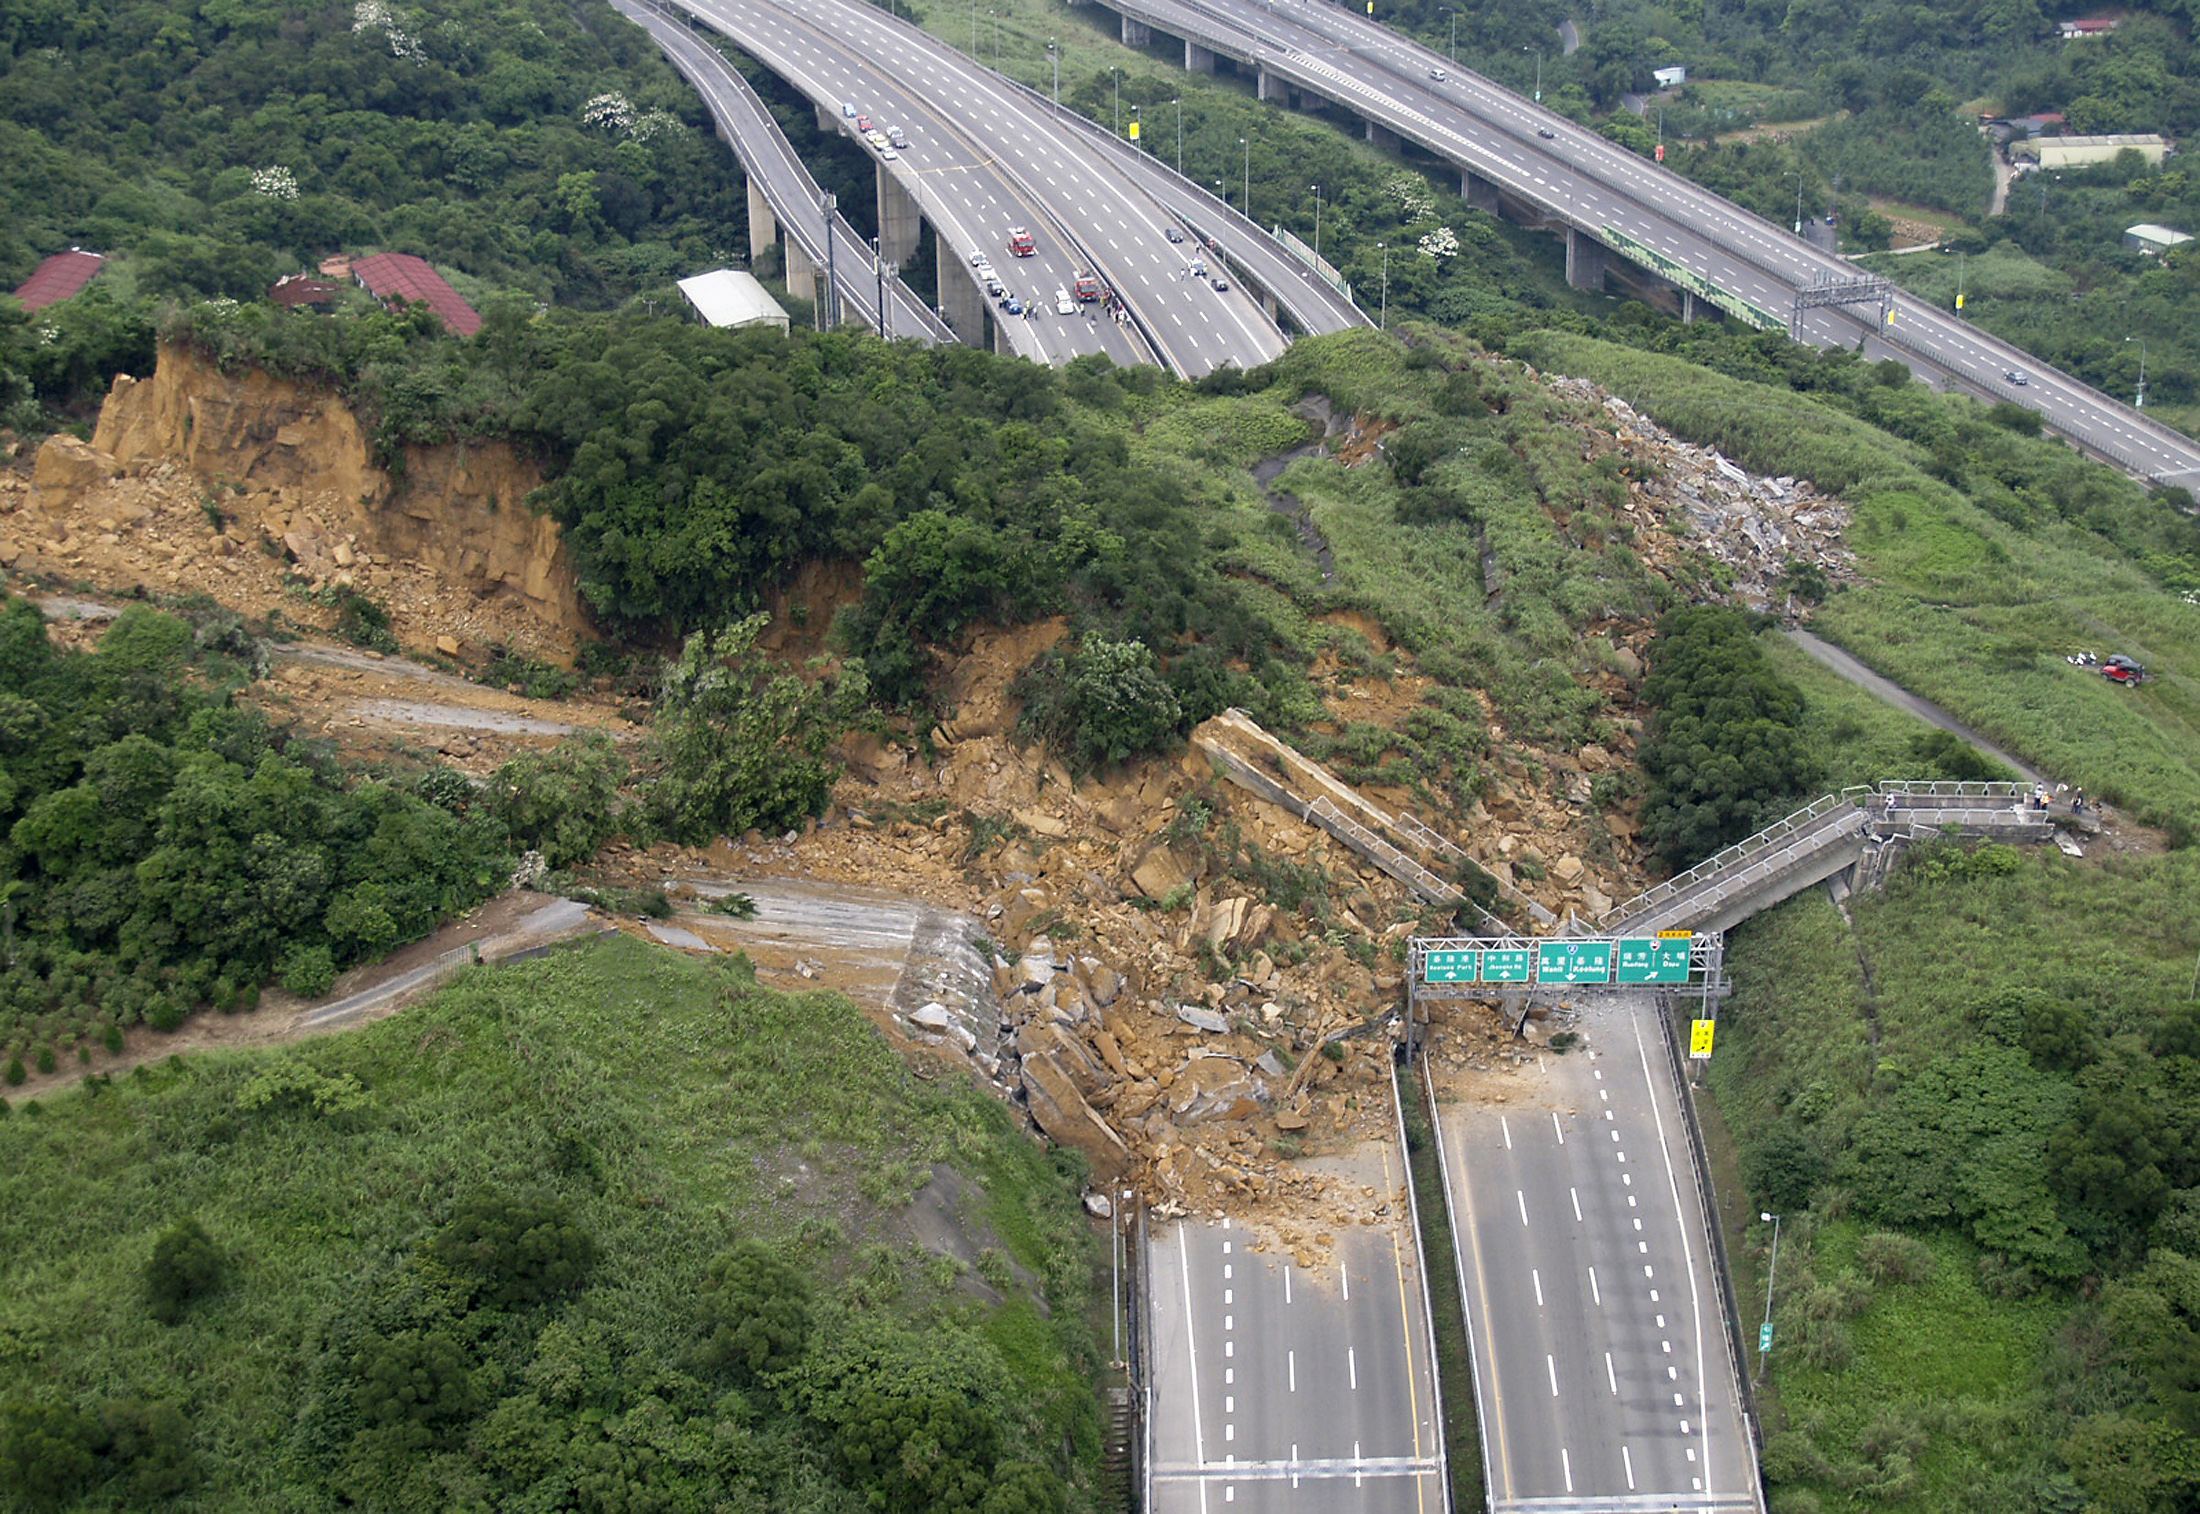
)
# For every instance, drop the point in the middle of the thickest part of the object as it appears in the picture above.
(1382, 136)
(1479, 193)
(1268, 304)
(1198, 59)
(801, 273)
(763, 225)
(1267, 88)
(1688, 308)
(1136, 33)
(828, 119)
(1584, 261)
(900, 223)
(962, 299)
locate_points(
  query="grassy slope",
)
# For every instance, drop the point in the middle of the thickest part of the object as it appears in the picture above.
(1965, 609)
(1807, 1031)
(698, 1099)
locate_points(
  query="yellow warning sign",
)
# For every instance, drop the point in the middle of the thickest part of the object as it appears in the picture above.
(1699, 1038)
(1676, 935)
(1134, 131)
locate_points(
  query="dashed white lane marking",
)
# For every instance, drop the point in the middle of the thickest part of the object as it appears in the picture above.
(1610, 1374)
(1557, 1128)
(1566, 1465)
(1536, 1277)
(1352, 1367)
(1575, 1193)
(1506, 1127)
(1594, 1291)
(1344, 1279)
(1629, 1463)
(1523, 1198)
(1550, 1365)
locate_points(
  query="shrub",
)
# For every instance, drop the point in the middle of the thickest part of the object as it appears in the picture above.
(363, 623)
(308, 971)
(1099, 705)
(45, 1059)
(1890, 1258)
(415, 1378)
(515, 1252)
(755, 1314)
(564, 802)
(185, 1265)
(16, 1073)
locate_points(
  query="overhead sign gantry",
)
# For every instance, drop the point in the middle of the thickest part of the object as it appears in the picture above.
(1476, 967)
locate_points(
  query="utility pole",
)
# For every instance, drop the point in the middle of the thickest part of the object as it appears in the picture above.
(1538, 72)
(1382, 319)
(1764, 1336)
(2140, 403)
(1317, 223)
(832, 285)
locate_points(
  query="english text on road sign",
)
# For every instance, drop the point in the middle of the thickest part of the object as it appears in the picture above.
(1449, 967)
(1573, 962)
(1699, 1038)
(1506, 965)
(1662, 959)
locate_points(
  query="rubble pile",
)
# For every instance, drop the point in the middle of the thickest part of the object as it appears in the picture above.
(1710, 506)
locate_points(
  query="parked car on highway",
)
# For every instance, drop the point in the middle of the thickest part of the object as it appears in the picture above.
(1020, 242)
(897, 136)
(847, 110)
(995, 287)
(1012, 305)
(863, 123)
(1172, 233)
(1221, 284)
(1063, 304)
(888, 153)
(875, 137)
(2014, 377)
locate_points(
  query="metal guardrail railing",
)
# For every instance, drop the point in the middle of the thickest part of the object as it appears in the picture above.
(1718, 862)
(1707, 1193)
(1324, 812)
(1428, 1307)
(1422, 834)
(1725, 886)
(1964, 788)
(1459, 1269)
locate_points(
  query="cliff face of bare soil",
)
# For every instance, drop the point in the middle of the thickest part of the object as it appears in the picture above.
(289, 465)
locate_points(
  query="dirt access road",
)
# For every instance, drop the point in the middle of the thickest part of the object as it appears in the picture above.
(1902, 699)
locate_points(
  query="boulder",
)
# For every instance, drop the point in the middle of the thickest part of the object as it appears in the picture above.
(1568, 870)
(1061, 1111)
(933, 1017)
(1202, 1019)
(67, 465)
(1159, 873)
(1226, 922)
(1040, 823)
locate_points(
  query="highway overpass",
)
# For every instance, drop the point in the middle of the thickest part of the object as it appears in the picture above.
(1610, 203)
(784, 201)
(985, 156)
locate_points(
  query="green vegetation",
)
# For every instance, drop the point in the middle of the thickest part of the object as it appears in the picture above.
(554, 154)
(614, 1228)
(1984, 1155)
(1991, 555)
(1724, 750)
(166, 848)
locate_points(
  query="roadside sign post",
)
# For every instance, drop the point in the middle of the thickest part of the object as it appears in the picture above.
(1699, 1039)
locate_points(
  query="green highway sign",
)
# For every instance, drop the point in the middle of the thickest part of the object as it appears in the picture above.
(1662, 959)
(1506, 965)
(1573, 962)
(1764, 1337)
(1449, 967)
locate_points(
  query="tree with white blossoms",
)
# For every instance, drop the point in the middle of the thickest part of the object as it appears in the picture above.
(1413, 197)
(613, 110)
(376, 16)
(277, 183)
(1441, 243)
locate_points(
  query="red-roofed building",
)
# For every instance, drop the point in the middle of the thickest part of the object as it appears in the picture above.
(394, 276)
(59, 277)
(2091, 26)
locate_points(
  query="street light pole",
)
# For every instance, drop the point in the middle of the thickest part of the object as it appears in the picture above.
(1764, 1338)
(878, 265)
(1798, 204)
(1452, 50)
(1054, 56)
(1317, 223)
(1538, 73)
(2140, 403)
(1115, 77)
(1382, 319)
(1178, 102)
(829, 204)
(1247, 207)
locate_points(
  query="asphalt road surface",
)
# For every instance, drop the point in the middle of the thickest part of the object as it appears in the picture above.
(1343, 55)
(1287, 1388)
(983, 157)
(1602, 1371)
(769, 158)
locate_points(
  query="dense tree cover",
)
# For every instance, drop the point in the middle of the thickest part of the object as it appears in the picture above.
(166, 848)
(464, 133)
(1099, 703)
(1723, 750)
(539, 1244)
(2034, 1115)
